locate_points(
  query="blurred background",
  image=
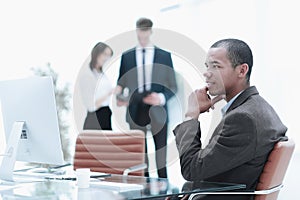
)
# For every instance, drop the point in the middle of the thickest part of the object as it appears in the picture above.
(61, 34)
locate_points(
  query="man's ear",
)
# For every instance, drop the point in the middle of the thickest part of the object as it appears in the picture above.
(243, 70)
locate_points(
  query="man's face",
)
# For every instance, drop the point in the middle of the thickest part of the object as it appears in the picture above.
(144, 36)
(221, 77)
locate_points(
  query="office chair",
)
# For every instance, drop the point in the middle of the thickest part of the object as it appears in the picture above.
(270, 180)
(111, 152)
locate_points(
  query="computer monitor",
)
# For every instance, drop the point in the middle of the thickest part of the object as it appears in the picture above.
(30, 123)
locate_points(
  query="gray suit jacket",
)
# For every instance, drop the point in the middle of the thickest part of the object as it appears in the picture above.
(238, 148)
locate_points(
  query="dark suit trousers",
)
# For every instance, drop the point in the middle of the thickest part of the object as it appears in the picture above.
(160, 142)
(98, 120)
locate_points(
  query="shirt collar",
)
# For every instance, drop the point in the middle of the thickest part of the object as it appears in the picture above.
(96, 72)
(149, 46)
(225, 108)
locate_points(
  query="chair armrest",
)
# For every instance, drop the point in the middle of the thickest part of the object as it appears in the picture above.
(257, 192)
(134, 168)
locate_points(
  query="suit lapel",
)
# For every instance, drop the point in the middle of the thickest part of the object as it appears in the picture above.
(155, 55)
(243, 97)
(239, 101)
(133, 67)
(134, 64)
(154, 67)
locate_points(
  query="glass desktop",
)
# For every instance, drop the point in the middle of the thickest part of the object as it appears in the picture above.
(151, 188)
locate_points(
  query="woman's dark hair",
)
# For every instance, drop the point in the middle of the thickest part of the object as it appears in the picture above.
(238, 52)
(97, 50)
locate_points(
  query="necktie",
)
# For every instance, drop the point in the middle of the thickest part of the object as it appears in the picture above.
(144, 70)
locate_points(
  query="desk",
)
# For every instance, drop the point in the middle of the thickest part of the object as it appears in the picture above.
(152, 187)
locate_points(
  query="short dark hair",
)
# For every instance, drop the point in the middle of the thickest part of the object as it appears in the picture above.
(97, 50)
(144, 24)
(238, 53)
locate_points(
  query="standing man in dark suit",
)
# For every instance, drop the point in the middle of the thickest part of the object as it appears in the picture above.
(148, 79)
(248, 131)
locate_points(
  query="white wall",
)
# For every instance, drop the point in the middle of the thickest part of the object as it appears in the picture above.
(63, 33)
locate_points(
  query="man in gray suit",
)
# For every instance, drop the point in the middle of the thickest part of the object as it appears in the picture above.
(248, 131)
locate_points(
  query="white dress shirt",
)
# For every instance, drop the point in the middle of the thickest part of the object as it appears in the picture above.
(149, 60)
(94, 85)
(229, 103)
(103, 87)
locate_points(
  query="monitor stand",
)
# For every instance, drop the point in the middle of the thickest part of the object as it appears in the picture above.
(8, 163)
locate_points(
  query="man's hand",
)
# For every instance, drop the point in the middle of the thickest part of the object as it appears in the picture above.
(152, 99)
(122, 103)
(200, 102)
(118, 90)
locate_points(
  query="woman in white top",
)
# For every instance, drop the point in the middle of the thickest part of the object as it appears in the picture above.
(96, 90)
